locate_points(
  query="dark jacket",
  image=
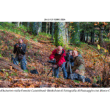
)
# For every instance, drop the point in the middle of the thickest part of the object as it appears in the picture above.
(18, 50)
(60, 58)
(69, 57)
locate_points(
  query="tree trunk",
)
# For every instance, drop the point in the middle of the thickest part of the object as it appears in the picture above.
(28, 24)
(56, 34)
(35, 28)
(87, 38)
(53, 29)
(47, 27)
(101, 37)
(76, 37)
(67, 32)
(92, 38)
(109, 32)
(39, 27)
(82, 36)
(61, 32)
(44, 27)
(67, 36)
(21, 23)
(17, 24)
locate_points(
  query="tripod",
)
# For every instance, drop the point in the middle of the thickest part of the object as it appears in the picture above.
(68, 68)
(50, 71)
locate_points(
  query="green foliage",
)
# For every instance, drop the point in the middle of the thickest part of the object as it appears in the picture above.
(60, 77)
(13, 74)
(11, 27)
(35, 39)
(74, 28)
(99, 78)
(60, 41)
(76, 81)
(107, 40)
(26, 71)
(4, 32)
(0, 78)
(94, 80)
(45, 34)
(7, 74)
(27, 37)
(29, 58)
(56, 34)
(3, 70)
(10, 48)
(58, 37)
(1, 55)
(67, 47)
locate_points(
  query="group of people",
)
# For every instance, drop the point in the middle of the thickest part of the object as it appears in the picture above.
(72, 63)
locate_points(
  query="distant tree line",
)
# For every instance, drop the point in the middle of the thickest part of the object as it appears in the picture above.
(71, 32)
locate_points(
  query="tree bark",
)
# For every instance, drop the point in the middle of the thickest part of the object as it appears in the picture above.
(101, 36)
(61, 31)
(53, 29)
(82, 36)
(39, 27)
(18, 23)
(44, 27)
(92, 38)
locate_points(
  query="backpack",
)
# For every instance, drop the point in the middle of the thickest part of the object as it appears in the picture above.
(34, 71)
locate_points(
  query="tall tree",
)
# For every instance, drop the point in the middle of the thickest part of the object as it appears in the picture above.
(17, 24)
(67, 32)
(39, 27)
(61, 31)
(44, 27)
(60, 37)
(52, 32)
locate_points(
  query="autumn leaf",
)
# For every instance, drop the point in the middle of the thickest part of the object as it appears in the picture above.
(105, 50)
(10, 67)
(98, 46)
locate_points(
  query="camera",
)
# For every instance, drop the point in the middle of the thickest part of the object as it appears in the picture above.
(68, 57)
(20, 45)
(52, 61)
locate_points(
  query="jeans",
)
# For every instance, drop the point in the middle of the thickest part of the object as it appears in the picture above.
(75, 76)
(56, 71)
(23, 62)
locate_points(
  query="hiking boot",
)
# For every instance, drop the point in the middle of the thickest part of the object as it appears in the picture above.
(74, 76)
(82, 78)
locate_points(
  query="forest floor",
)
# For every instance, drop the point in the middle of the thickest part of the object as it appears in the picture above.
(37, 56)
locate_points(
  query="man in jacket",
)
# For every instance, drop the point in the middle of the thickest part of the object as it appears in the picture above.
(20, 50)
(59, 55)
(79, 67)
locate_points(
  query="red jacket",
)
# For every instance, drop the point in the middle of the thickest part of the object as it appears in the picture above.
(59, 57)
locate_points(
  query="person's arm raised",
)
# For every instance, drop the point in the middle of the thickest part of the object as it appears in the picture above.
(15, 49)
(23, 49)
